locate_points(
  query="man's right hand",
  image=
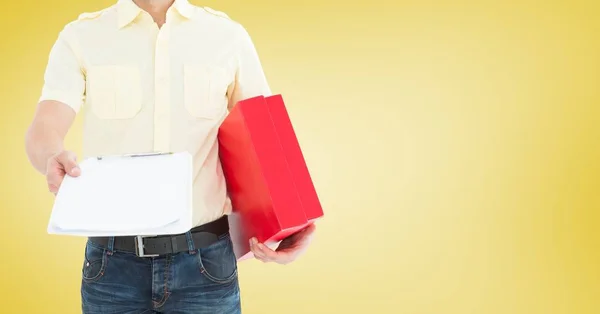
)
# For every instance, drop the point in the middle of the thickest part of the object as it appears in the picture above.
(58, 166)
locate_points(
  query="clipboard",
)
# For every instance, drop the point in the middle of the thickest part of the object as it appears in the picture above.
(144, 194)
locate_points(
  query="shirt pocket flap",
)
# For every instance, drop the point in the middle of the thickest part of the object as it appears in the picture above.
(114, 91)
(205, 90)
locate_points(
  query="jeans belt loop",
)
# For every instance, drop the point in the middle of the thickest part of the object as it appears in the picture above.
(111, 245)
(190, 242)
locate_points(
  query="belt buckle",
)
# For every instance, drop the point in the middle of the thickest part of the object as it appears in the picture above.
(139, 247)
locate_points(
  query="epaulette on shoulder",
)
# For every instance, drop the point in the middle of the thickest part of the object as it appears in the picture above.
(90, 15)
(215, 12)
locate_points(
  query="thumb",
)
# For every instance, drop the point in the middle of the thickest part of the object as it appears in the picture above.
(69, 162)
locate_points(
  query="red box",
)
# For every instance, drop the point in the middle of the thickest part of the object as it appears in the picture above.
(295, 158)
(269, 184)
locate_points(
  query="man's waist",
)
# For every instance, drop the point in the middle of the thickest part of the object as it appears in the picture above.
(148, 246)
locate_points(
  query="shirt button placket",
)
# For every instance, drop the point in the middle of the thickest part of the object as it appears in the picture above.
(162, 91)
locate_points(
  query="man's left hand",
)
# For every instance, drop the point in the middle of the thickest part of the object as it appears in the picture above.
(288, 250)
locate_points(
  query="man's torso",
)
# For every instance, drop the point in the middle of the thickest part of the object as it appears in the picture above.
(151, 89)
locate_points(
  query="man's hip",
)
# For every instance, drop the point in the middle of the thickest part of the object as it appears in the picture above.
(191, 273)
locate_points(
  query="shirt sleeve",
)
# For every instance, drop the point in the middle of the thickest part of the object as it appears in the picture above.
(250, 80)
(64, 80)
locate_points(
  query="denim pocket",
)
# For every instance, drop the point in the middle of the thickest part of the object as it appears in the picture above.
(94, 263)
(217, 262)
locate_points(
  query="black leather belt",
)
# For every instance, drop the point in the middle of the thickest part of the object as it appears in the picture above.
(203, 236)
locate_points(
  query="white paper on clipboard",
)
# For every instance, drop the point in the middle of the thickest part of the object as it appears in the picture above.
(146, 194)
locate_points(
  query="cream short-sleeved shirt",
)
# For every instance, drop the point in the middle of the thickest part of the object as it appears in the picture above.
(144, 89)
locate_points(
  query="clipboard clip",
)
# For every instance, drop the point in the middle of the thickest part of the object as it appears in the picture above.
(136, 155)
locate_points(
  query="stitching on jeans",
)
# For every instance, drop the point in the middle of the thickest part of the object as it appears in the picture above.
(152, 271)
(166, 292)
(210, 277)
(167, 270)
(97, 277)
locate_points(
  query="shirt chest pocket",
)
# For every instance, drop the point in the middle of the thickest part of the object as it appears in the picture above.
(114, 91)
(205, 90)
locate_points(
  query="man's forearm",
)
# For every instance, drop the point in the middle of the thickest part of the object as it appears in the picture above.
(41, 143)
(47, 132)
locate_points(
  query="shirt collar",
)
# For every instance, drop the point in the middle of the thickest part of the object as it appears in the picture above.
(128, 10)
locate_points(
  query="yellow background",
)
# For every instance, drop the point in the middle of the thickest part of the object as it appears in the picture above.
(455, 146)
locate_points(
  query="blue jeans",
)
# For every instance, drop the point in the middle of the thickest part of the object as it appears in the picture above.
(195, 281)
